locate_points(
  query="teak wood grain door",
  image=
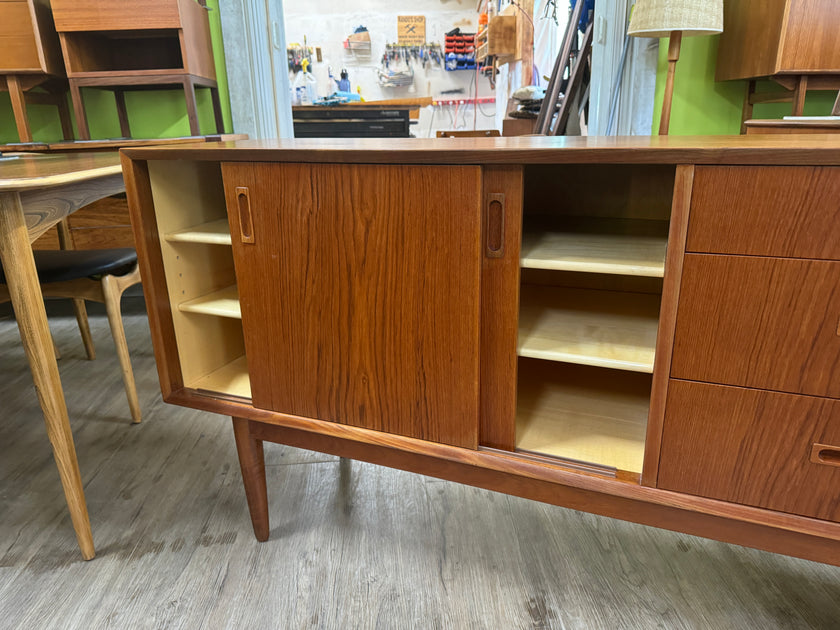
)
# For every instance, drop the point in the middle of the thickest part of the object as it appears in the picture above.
(360, 293)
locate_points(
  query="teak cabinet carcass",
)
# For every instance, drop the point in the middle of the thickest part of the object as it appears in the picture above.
(647, 329)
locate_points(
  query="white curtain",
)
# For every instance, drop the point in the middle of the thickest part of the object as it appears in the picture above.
(255, 57)
(632, 107)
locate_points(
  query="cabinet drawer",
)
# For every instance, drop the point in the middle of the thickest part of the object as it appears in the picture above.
(766, 211)
(759, 322)
(753, 447)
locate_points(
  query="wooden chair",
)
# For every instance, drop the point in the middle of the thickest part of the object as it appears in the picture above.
(99, 275)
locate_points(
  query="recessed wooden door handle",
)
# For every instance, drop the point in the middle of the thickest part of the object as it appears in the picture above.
(825, 454)
(494, 226)
(243, 207)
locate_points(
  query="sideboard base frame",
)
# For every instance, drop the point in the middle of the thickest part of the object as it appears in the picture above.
(810, 539)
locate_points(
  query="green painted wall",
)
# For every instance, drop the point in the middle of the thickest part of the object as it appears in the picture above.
(157, 114)
(702, 106)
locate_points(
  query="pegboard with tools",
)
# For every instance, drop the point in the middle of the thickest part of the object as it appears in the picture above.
(398, 63)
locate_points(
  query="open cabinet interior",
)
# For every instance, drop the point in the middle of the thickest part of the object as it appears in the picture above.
(591, 268)
(198, 261)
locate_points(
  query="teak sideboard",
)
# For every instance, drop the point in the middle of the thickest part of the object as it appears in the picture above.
(643, 328)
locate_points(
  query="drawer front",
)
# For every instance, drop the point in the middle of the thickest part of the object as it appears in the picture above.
(18, 48)
(753, 447)
(759, 322)
(766, 211)
(104, 15)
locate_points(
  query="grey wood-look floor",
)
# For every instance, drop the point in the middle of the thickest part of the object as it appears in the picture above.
(352, 545)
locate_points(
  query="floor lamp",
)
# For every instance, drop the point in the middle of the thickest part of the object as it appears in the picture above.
(673, 19)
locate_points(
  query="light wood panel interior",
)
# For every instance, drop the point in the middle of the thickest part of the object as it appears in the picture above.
(586, 414)
(592, 251)
(602, 281)
(222, 303)
(589, 327)
(189, 194)
(232, 378)
(211, 233)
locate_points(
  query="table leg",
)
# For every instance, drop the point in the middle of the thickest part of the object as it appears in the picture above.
(28, 303)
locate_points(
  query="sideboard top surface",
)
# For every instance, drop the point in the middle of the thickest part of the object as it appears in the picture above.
(753, 149)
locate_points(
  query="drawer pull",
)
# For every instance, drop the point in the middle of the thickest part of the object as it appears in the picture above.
(495, 226)
(243, 205)
(825, 454)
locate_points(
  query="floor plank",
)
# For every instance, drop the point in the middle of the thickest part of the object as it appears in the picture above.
(352, 545)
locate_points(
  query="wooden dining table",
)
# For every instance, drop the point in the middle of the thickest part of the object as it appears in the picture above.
(36, 192)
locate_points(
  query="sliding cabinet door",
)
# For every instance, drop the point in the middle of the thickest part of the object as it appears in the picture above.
(360, 293)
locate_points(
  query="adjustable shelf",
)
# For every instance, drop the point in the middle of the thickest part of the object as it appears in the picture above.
(584, 414)
(611, 329)
(620, 254)
(211, 233)
(222, 303)
(231, 379)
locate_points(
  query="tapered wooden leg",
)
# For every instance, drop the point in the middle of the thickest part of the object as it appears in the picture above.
(799, 96)
(252, 464)
(747, 111)
(64, 116)
(122, 113)
(84, 328)
(217, 110)
(19, 108)
(79, 109)
(25, 293)
(65, 241)
(192, 107)
(112, 294)
(835, 111)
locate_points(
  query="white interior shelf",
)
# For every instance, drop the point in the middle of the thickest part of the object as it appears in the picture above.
(620, 254)
(609, 329)
(231, 379)
(583, 414)
(211, 233)
(222, 303)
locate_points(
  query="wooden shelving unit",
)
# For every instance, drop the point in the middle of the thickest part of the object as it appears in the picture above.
(210, 233)
(120, 46)
(200, 277)
(592, 267)
(620, 254)
(222, 303)
(582, 413)
(609, 329)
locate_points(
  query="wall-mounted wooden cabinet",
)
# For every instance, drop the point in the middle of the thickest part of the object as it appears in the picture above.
(515, 316)
(763, 38)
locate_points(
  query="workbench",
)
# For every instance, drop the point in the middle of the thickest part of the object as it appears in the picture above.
(642, 328)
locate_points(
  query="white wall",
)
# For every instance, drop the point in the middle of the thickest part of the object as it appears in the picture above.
(327, 23)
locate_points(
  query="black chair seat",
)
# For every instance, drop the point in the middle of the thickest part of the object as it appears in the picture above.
(61, 265)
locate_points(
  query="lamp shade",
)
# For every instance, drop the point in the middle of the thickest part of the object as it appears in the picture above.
(658, 18)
